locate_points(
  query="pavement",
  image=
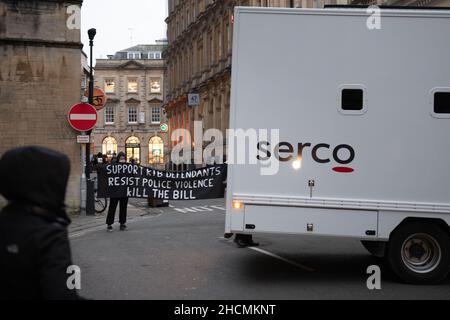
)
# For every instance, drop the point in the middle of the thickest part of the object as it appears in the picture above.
(137, 209)
(82, 223)
(179, 253)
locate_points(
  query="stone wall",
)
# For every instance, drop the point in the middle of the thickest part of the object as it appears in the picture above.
(39, 80)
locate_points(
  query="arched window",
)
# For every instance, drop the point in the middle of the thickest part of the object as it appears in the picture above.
(133, 140)
(133, 149)
(156, 151)
(109, 147)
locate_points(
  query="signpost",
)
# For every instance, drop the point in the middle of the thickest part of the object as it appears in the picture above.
(98, 99)
(90, 203)
(83, 117)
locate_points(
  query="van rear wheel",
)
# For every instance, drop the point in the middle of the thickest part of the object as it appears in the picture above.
(419, 253)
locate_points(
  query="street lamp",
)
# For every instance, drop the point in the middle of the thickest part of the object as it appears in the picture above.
(90, 204)
(91, 33)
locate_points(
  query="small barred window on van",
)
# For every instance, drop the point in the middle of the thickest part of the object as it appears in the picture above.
(352, 99)
(442, 102)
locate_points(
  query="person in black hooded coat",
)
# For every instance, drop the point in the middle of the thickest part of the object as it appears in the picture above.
(34, 245)
(123, 203)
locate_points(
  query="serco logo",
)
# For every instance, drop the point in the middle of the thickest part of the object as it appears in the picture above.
(322, 153)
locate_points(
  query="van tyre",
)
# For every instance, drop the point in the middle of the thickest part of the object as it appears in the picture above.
(419, 253)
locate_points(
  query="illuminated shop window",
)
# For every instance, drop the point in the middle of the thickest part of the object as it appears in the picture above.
(109, 147)
(156, 151)
(133, 149)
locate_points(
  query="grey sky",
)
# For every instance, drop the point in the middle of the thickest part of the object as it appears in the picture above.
(114, 18)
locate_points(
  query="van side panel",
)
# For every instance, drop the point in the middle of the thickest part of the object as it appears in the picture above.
(289, 69)
(324, 222)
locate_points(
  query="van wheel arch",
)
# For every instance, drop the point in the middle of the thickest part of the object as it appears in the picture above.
(439, 222)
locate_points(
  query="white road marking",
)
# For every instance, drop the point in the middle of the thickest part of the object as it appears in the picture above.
(219, 208)
(273, 255)
(185, 210)
(198, 209)
(205, 208)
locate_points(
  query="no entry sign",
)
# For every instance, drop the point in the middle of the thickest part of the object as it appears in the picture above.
(82, 117)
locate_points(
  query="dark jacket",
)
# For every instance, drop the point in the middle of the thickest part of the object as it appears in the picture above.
(34, 246)
(119, 156)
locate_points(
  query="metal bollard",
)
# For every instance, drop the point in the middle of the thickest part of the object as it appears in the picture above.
(90, 203)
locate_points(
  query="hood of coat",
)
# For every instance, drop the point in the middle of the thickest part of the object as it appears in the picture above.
(121, 156)
(35, 176)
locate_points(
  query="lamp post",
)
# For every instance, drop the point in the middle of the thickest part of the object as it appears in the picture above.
(91, 34)
(90, 206)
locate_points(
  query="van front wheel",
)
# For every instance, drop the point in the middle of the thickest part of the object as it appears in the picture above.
(419, 253)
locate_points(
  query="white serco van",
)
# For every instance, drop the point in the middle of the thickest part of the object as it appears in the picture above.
(364, 130)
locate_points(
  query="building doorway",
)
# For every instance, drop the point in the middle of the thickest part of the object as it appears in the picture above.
(109, 147)
(156, 151)
(133, 149)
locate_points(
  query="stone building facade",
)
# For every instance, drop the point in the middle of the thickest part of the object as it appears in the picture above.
(40, 79)
(85, 70)
(131, 121)
(198, 58)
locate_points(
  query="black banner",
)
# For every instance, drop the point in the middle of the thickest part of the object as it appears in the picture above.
(134, 181)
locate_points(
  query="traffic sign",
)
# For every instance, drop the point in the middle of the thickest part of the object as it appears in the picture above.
(82, 117)
(193, 99)
(99, 99)
(164, 127)
(83, 139)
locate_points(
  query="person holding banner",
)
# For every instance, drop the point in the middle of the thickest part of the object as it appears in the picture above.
(123, 203)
